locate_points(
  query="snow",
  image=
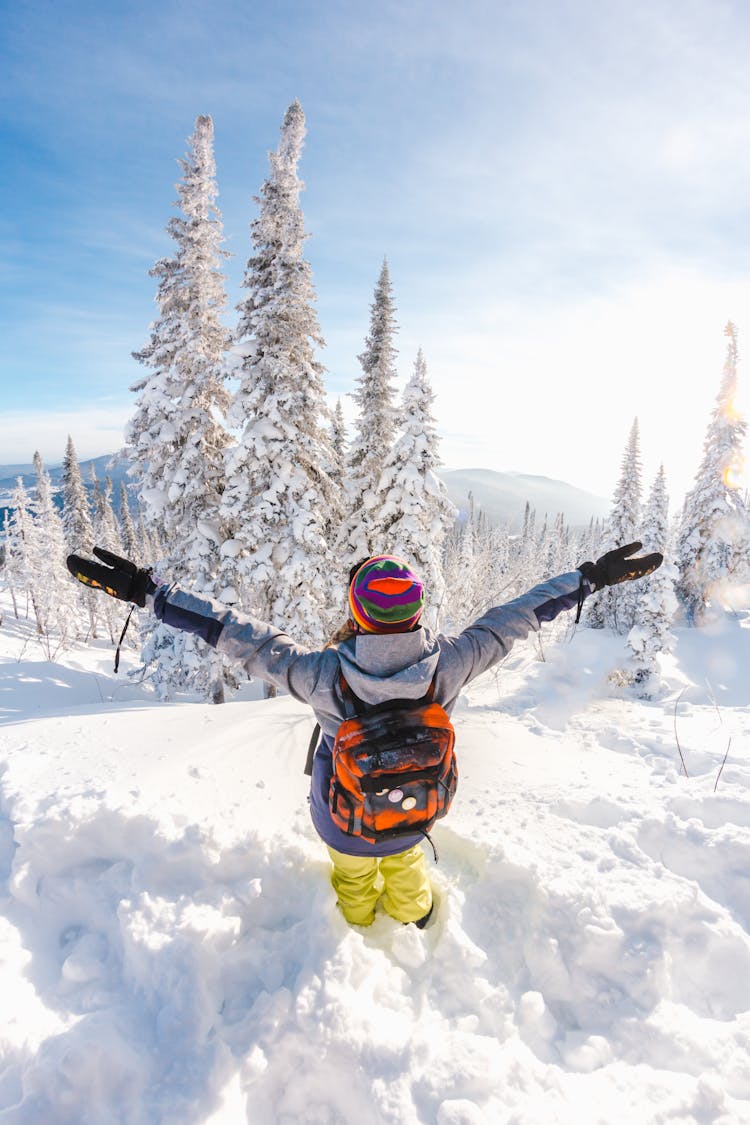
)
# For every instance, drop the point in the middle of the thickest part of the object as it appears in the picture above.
(172, 952)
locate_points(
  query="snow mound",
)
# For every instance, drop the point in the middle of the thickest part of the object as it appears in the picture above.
(172, 951)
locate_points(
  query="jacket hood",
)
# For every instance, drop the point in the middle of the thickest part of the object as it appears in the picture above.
(383, 666)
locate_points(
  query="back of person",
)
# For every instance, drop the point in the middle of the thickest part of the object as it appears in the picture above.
(386, 657)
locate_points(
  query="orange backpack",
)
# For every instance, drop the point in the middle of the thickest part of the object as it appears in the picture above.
(394, 768)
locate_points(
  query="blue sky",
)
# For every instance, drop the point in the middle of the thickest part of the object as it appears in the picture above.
(562, 191)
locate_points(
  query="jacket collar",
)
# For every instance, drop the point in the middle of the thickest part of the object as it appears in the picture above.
(382, 666)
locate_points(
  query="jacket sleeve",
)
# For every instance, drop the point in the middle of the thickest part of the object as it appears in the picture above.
(491, 637)
(264, 651)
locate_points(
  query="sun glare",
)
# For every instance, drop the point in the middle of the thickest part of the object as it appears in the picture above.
(731, 412)
(734, 476)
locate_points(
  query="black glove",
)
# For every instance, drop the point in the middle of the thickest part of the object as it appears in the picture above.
(616, 567)
(120, 578)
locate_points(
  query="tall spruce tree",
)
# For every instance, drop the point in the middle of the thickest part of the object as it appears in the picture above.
(594, 544)
(150, 547)
(107, 535)
(16, 570)
(623, 526)
(78, 530)
(53, 593)
(176, 440)
(656, 604)
(76, 513)
(372, 443)
(714, 516)
(527, 555)
(280, 500)
(338, 443)
(176, 437)
(106, 530)
(465, 573)
(415, 513)
(130, 543)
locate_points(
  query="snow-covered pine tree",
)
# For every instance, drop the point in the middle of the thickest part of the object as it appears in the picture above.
(460, 572)
(371, 445)
(106, 534)
(587, 541)
(131, 545)
(623, 526)
(525, 556)
(176, 440)
(52, 591)
(565, 556)
(656, 605)
(105, 528)
(16, 571)
(150, 548)
(591, 547)
(78, 529)
(502, 577)
(338, 444)
(741, 552)
(557, 554)
(280, 501)
(529, 517)
(468, 566)
(76, 513)
(176, 437)
(541, 553)
(714, 517)
(415, 513)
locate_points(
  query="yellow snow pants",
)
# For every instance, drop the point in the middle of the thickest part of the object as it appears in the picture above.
(400, 882)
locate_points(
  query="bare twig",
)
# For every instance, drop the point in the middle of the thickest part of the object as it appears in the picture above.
(712, 697)
(723, 763)
(721, 721)
(679, 748)
(540, 646)
(99, 688)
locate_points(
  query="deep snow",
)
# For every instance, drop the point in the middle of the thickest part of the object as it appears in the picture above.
(171, 950)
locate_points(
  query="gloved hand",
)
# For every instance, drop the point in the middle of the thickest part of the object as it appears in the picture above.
(119, 578)
(616, 566)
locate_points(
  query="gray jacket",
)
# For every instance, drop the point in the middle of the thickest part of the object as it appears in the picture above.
(377, 667)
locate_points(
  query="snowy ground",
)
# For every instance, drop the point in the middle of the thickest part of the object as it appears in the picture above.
(171, 951)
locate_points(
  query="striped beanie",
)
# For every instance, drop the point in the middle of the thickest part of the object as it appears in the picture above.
(385, 596)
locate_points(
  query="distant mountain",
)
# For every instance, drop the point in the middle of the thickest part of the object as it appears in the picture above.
(105, 466)
(503, 496)
(12, 472)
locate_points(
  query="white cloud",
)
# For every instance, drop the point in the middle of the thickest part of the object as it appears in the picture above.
(95, 430)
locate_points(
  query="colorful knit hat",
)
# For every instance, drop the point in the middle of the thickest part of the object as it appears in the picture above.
(385, 596)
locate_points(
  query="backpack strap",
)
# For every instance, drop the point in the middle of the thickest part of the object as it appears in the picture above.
(311, 750)
(353, 705)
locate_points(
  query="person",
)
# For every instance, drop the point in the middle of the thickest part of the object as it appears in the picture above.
(383, 653)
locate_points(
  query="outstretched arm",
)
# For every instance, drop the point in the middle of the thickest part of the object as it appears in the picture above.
(265, 652)
(490, 638)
